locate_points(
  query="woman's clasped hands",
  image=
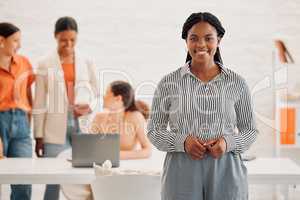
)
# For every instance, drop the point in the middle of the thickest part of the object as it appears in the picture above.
(198, 149)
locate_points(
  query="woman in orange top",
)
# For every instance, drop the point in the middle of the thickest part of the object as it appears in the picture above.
(16, 77)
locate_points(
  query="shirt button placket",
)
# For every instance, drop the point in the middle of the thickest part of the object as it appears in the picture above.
(206, 111)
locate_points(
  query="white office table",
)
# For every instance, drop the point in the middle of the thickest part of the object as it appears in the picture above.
(273, 171)
(281, 171)
(59, 171)
(42, 171)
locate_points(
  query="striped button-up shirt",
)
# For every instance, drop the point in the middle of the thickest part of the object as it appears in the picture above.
(184, 105)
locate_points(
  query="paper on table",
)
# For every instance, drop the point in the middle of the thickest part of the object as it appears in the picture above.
(107, 170)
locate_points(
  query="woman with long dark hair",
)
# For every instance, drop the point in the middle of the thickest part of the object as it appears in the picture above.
(122, 115)
(126, 116)
(16, 78)
(210, 117)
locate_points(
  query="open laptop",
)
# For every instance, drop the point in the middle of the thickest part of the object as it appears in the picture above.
(95, 148)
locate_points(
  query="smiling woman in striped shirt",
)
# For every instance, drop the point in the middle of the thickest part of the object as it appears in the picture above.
(209, 113)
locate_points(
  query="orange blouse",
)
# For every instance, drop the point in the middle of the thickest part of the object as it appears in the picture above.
(14, 84)
(69, 75)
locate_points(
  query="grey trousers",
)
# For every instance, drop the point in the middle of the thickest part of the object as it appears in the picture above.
(206, 179)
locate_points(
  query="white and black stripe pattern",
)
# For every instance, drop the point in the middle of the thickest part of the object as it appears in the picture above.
(184, 105)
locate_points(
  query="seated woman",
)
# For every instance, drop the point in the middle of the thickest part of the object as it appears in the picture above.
(123, 115)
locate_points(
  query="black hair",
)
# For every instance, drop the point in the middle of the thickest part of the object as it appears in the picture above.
(195, 18)
(7, 29)
(125, 90)
(65, 24)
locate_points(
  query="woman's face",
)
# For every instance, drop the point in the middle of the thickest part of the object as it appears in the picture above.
(66, 41)
(202, 42)
(11, 44)
(112, 102)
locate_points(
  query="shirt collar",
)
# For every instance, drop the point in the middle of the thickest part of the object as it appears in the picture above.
(186, 69)
(15, 60)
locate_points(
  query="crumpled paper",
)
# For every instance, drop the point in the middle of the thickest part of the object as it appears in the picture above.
(107, 170)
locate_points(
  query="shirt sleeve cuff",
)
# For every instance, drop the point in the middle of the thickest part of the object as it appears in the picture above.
(230, 142)
(179, 142)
